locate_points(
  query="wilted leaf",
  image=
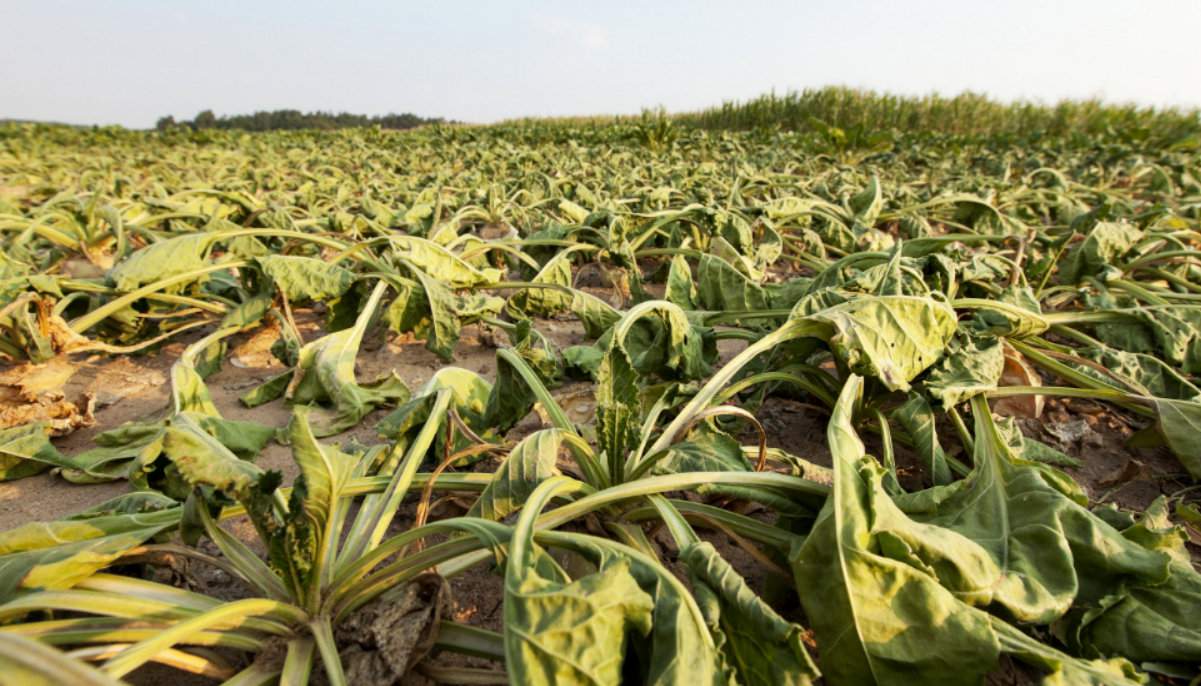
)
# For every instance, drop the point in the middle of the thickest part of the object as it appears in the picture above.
(26, 450)
(877, 618)
(59, 554)
(531, 461)
(892, 338)
(306, 278)
(760, 646)
(972, 366)
(559, 631)
(161, 260)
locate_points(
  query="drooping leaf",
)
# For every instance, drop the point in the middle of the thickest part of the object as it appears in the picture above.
(161, 260)
(1047, 551)
(680, 288)
(1179, 422)
(202, 459)
(26, 450)
(324, 472)
(917, 418)
(469, 396)
(430, 310)
(59, 554)
(760, 646)
(972, 365)
(439, 263)
(705, 450)
(878, 620)
(546, 302)
(892, 338)
(1176, 330)
(1154, 622)
(531, 462)
(583, 360)
(560, 631)
(325, 374)
(306, 278)
(511, 398)
(1147, 373)
(867, 203)
(596, 315)
(618, 409)
(720, 286)
(1101, 247)
(679, 649)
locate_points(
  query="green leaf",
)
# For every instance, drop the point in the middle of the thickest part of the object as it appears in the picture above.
(1179, 422)
(972, 365)
(60, 554)
(26, 450)
(306, 278)
(893, 338)
(760, 646)
(879, 620)
(559, 631)
(28, 662)
(917, 418)
(531, 462)
(1104, 244)
(325, 373)
(161, 260)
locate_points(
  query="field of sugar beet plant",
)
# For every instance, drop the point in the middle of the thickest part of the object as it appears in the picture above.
(642, 401)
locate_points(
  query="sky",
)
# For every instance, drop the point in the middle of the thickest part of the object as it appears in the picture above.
(129, 62)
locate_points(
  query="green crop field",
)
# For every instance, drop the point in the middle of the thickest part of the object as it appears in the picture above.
(821, 388)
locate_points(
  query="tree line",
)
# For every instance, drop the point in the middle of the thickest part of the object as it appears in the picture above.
(284, 120)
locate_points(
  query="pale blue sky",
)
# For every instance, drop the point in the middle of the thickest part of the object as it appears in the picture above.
(130, 61)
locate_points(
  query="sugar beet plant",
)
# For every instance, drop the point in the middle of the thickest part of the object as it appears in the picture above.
(928, 297)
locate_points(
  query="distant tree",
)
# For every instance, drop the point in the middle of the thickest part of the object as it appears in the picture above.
(165, 123)
(205, 120)
(293, 120)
